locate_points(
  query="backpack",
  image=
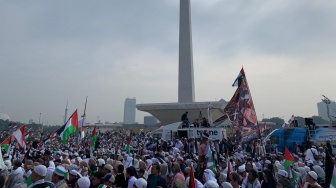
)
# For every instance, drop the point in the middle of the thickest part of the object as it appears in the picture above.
(314, 154)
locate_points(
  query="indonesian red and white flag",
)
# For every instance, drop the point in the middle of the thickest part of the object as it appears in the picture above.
(20, 136)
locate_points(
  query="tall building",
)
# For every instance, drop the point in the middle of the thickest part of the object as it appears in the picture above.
(129, 111)
(322, 110)
(150, 120)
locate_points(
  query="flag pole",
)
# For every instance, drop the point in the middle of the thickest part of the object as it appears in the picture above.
(83, 118)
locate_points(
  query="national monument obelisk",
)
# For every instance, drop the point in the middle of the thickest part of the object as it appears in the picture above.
(186, 88)
(171, 112)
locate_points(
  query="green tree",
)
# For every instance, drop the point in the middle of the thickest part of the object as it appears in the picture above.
(276, 120)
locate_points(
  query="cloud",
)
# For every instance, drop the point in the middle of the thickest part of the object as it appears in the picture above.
(51, 52)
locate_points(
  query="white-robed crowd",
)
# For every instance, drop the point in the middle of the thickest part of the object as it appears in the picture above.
(156, 163)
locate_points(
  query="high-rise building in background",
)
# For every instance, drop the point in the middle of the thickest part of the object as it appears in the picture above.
(150, 120)
(129, 111)
(322, 110)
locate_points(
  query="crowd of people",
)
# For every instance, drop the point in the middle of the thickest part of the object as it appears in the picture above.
(156, 163)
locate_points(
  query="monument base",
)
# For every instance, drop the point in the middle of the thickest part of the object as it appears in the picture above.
(168, 113)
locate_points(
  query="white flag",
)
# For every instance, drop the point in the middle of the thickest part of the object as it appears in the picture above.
(2, 164)
(283, 125)
(81, 124)
(291, 119)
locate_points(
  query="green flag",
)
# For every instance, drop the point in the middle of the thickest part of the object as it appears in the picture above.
(28, 181)
(94, 138)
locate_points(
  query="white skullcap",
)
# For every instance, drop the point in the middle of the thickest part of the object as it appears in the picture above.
(211, 184)
(8, 163)
(60, 171)
(239, 159)
(83, 182)
(65, 153)
(72, 167)
(40, 170)
(282, 173)
(79, 159)
(226, 185)
(241, 169)
(310, 162)
(75, 173)
(306, 168)
(313, 175)
(140, 183)
(101, 162)
(268, 162)
(155, 160)
(180, 158)
(51, 164)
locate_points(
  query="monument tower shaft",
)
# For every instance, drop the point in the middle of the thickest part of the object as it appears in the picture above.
(186, 90)
(168, 113)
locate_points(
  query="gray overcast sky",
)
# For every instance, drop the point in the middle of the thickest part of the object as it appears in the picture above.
(54, 51)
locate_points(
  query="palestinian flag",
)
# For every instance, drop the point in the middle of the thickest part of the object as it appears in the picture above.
(5, 144)
(19, 136)
(70, 127)
(289, 159)
(29, 135)
(94, 138)
(51, 139)
(128, 147)
(239, 78)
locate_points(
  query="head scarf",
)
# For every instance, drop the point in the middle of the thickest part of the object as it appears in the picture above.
(319, 171)
(279, 166)
(142, 165)
(209, 175)
(303, 173)
(270, 179)
(149, 162)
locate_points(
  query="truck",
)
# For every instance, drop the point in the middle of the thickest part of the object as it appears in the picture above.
(318, 134)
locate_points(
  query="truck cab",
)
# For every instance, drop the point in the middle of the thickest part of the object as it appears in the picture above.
(319, 134)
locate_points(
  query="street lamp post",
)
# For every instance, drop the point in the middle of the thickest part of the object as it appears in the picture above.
(40, 118)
